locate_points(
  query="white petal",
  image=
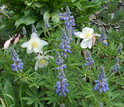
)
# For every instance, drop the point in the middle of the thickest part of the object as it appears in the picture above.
(80, 35)
(24, 45)
(43, 65)
(87, 30)
(97, 35)
(36, 49)
(36, 65)
(34, 35)
(29, 47)
(89, 43)
(84, 44)
(29, 51)
(43, 42)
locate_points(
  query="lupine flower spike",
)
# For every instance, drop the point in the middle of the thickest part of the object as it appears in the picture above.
(116, 67)
(60, 62)
(103, 38)
(65, 44)
(61, 86)
(119, 49)
(89, 60)
(101, 83)
(17, 65)
(69, 22)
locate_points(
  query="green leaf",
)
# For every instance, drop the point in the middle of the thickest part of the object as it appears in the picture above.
(37, 5)
(27, 20)
(55, 18)
(46, 16)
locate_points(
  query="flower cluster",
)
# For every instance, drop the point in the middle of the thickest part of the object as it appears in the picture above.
(65, 44)
(89, 60)
(61, 86)
(103, 38)
(17, 65)
(69, 22)
(101, 83)
(116, 67)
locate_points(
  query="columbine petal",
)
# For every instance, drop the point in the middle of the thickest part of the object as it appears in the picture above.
(24, 45)
(36, 50)
(36, 65)
(89, 43)
(87, 30)
(80, 35)
(42, 65)
(84, 44)
(34, 35)
(97, 35)
(43, 42)
(29, 51)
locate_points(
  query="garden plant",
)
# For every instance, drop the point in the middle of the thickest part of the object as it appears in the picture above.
(61, 53)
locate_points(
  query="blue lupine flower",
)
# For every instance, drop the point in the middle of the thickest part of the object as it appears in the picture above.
(17, 65)
(101, 83)
(119, 49)
(69, 22)
(65, 44)
(103, 38)
(89, 60)
(101, 105)
(116, 67)
(59, 62)
(61, 86)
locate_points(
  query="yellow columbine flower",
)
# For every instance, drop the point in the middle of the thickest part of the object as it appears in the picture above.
(34, 44)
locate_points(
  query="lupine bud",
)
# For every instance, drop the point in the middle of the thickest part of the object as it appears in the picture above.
(24, 32)
(34, 29)
(17, 65)
(101, 83)
(119, 49)
(116, 67)
(7, 43)
(46, 24)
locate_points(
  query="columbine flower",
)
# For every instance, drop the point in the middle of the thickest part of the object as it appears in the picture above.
(61, 86)
(101, 83)
(65, 44)
(17, 65)
(34, 44)
(116, 67)
(103, 38)
(89, 60)
(87, 34)
(42, 61)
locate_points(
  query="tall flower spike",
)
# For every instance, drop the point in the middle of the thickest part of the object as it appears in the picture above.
(116, 67)
(119, 49)
(61, 86)
(65, 44)
(89, 60)
(101, 83)
(103, 38)
(69, 22)
(59, 62)
(17, 65)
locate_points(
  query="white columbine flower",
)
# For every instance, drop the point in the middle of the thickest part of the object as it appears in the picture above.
(42, 61)
(34, 44)
(87, 34)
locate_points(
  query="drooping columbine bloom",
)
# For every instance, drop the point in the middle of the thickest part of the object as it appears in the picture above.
(89, 60)
(61, 86)
(87, 34)
(69, 22)
(42, 61)
(101, 83)
(60, 62)
(65, 44)
(34, 44)
(116, 67)
(119, 49)
(17, 65)
(103, 38)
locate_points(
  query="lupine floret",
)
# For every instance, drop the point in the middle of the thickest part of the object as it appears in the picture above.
(101, 83)
(17, 65)
(116, 67)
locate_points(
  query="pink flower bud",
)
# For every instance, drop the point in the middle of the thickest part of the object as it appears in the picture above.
(93, 40)
(16, 39)
(7, 43)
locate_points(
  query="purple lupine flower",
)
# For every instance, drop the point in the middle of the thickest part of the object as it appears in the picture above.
(69, 22)
(116, 67)
(103, 38)
(119, 49)
(61, 86)
(65, 44)
(17, 65)
(101, 83)
(89, 60)
(60, 62)
(100, 105)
